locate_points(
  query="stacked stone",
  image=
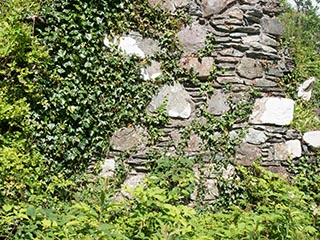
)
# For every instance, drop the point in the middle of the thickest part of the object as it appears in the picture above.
(247, 53)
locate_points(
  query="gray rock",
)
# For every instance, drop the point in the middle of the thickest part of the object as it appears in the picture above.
(247, 153)
(147, 45)
(192, 38)
(154, 70)
(108, 168)
(269, 41)
(234, 13)
(194, 144)
(272, 110)
(212, 7)
(130, 47)
(272, 26)
(218, 103)
(264, 83)
(231, 52)
(312, 139)
(250, 39)
(224, 80)
(250, 68)
(170, 5)
(131, 182)
(134, 43)
(305, 89)
(255, 136)
(212, 190)
(274, 71)
(284, 151)
(202, 67)
(260, 47)
(131, 138)
(246, 29)
(262, 55)
(179, 105)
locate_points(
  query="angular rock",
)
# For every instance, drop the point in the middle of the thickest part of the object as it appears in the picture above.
(294, 148)
(224, 80)
(246, 29)
(255, 136)
(264, 83)
(260, 47)
(154, 70)
(192, 38)
(272, 26)
(134, 43)
(231, 52)
(202, 67)
(250, 68)
(130, 47)
(212, 190)
(290, 149)
(269, 41)
(247, 153)
(194, 143)
(131, 138)
(179, 105)
(147, 45)
(131, 182)
(212, 7)
(170, 5)
(218, 103)
(272, 110)
(312, 139)
(250, 39)
(108, 168)
(234, 13)
(262, 55)
(305, 89)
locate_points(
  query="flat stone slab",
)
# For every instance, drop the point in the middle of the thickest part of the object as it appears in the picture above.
(125, 139)
(255, 136)
(179, 102)
(211, 7)
(247, 153)
(192, 38)
(290, 149)
(272, 110)
(108, 168)
(201, 66)
(218, 103)
(170, 5)
(250, 68)
(272, 26)
(312, 139)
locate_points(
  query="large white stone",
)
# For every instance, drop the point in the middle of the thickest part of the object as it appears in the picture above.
(294, 148)
(289, 149)
(305, 89)
(108, 168)
(130, 47)
(127, 44)
(255, 136)
(272, 110)
(179, 105)
(312, 138)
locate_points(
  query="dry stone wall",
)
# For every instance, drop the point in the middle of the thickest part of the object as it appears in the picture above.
(247, 55)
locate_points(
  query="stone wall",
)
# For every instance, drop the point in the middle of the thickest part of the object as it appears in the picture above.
(247, 54)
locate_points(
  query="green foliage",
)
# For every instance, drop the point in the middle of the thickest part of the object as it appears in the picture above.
(174, 174)
(302, 39)
(69, 96)
(97, 89)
